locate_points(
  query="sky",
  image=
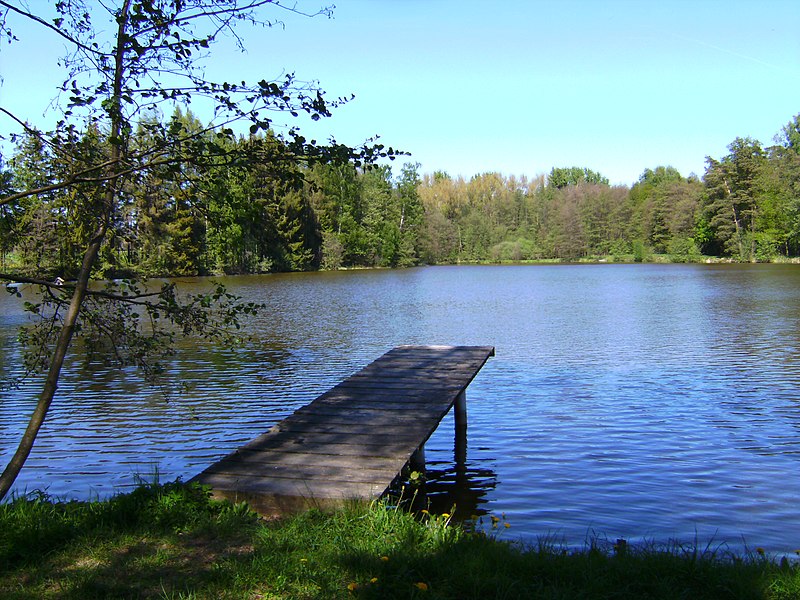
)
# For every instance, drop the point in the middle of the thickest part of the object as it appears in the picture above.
(516, 87)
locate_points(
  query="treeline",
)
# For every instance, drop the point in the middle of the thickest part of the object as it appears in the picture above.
(217, 216)
(746, 207)
(200, 207)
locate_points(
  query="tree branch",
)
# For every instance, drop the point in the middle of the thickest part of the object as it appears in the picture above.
(52, 27)
(65, 286)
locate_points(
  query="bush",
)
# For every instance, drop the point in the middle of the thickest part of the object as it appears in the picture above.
(520, 249)
(641, 253)
(683, 249)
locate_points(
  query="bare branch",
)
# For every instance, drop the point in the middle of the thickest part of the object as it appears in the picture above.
(68, 286)
(52, 27)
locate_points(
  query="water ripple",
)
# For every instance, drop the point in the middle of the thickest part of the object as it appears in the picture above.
(639, 401)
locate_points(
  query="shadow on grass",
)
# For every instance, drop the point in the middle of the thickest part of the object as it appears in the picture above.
(139, 545)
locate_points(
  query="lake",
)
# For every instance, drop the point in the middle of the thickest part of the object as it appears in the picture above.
(650, 402)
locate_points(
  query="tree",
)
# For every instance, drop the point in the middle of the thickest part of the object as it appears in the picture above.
(567, 234)
(339, 203)
(791, 135)
(600, 207)
(7, 215)
(381, 218)
(731, 204)
(410, 216)
(779, 216)
(561, 177)
(664, 204)
(439, 235)
(116, 77)
(299, 231)
(36, 217)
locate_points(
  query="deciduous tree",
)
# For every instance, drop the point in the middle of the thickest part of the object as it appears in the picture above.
(125, 59)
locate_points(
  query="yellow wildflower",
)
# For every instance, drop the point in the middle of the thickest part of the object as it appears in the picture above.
(421, 586)
(352, 586)
(374, 580)
(760, 550)
(507, 525)
(446, 515)
(385, 558)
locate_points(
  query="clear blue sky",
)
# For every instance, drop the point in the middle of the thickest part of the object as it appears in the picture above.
(517, 86)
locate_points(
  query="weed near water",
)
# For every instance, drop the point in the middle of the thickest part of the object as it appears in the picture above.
(173, 541)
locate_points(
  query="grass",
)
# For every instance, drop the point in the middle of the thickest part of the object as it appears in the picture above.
(173, 541)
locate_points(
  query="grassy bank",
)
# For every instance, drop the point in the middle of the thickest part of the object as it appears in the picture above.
(173, 542)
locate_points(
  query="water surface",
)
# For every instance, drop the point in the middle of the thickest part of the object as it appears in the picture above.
(641, 401)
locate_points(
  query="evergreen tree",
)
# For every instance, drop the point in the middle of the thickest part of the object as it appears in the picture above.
(8, 216)
(731, 206)
(381, 222)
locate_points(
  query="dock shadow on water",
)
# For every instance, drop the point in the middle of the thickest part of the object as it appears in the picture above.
(446, 488)
(457, 487)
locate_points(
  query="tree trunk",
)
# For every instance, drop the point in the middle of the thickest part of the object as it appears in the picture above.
(89, 258)
(51, 383)
(737, 226)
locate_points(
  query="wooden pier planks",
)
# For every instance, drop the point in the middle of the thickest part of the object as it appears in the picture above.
(353, 440)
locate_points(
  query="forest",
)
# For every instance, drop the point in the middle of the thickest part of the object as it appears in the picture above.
(218, 217)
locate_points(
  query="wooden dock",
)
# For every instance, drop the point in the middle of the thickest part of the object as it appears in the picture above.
(352, 441)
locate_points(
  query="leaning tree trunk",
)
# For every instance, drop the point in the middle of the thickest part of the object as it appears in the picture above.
(57, 361)
(89, 259)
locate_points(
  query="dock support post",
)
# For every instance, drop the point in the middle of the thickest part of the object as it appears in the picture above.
(461, 410)
(461, 431)
(417, 461)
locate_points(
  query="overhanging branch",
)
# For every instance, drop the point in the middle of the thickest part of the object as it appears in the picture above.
(64, 285)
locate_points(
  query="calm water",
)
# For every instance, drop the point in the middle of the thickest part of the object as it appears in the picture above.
(642, 401)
